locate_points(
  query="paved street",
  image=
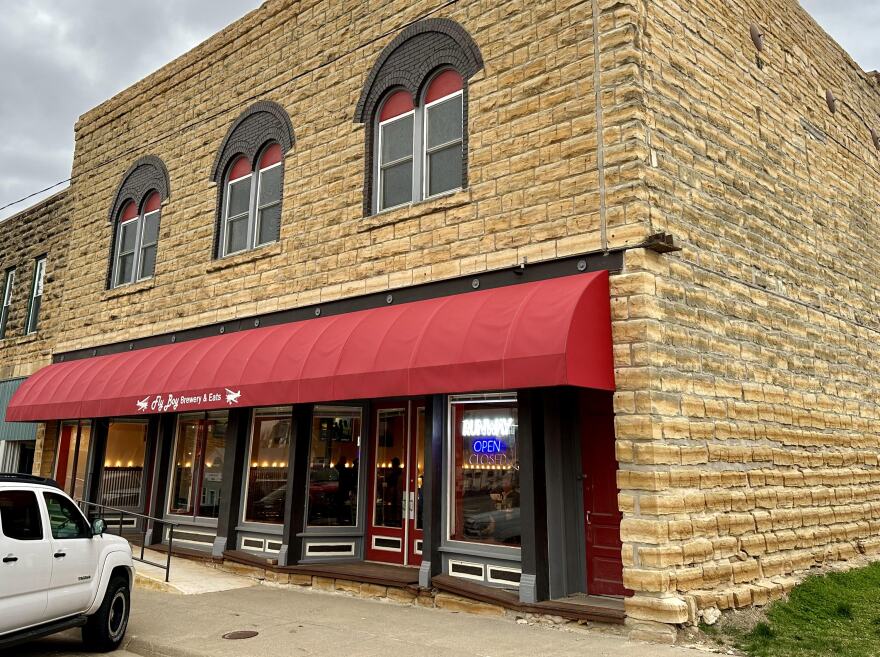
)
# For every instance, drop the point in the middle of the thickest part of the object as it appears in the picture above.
(319, 624)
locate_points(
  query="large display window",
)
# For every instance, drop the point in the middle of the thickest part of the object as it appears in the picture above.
(197, 469)
(484, 477)
(122, 479)
(266, 488)
(334, 464)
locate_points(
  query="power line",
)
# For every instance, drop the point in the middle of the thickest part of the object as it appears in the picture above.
(240, 103)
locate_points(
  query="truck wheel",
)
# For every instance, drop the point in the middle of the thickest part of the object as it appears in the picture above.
(105, 628)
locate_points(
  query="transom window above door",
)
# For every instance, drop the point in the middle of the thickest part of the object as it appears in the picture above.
(419, 152)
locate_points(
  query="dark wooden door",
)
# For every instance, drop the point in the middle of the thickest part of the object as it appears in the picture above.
(601, 513)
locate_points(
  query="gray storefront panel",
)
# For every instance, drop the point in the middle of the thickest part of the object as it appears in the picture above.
(13, 430)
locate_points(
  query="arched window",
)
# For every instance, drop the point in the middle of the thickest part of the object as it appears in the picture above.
(250, 170)
(414, 104)
(135, 218)
(252, 212)
(137, 235)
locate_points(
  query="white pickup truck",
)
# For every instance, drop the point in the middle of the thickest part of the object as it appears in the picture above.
(56, 570)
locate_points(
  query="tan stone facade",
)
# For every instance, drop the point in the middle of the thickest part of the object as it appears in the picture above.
(748, 403)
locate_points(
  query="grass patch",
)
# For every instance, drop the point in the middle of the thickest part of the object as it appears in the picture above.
(831, 615)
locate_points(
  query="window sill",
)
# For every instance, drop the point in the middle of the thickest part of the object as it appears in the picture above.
(259, 253)
(15, 340)
(129, 288)
(439, 203)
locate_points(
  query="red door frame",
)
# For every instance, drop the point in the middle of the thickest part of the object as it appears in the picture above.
(601, 512)
(407, 536)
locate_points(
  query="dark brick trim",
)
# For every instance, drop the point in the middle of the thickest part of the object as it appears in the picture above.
(409, 62)
(261, 123)
(148, 173)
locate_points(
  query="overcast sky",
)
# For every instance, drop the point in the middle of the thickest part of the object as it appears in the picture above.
(63, 57)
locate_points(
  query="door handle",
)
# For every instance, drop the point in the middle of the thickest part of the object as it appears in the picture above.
(60, 555)
(10, 559)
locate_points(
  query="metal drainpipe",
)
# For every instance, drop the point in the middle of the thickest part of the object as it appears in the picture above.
(600, 136)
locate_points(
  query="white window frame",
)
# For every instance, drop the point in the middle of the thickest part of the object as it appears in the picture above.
(426, 170)
(138, 252)
(259, 208)
(142, 246)
(381, 166)
(8, 286)
(33, 319)
(253, 211)
(247, 215)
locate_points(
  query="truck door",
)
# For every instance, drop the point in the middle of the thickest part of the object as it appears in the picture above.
(74, 557)
(25, 561)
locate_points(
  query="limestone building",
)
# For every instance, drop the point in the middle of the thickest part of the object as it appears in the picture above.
(527, 299)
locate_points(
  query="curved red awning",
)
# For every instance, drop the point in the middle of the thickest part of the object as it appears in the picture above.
(546, 333)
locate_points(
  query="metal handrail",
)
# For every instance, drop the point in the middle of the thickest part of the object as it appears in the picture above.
(149, 519)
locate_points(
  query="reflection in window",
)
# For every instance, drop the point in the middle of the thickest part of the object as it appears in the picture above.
(334, 460)
(267, 473)
(486, 473)
(124, 464)
(71, 461)
(65, 520)
(198, 464)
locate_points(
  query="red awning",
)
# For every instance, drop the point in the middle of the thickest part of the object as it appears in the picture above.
(546, 333)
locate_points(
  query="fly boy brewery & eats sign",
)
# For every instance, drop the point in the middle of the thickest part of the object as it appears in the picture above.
(172, 402)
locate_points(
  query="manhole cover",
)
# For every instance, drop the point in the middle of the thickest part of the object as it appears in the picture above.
(240, 634)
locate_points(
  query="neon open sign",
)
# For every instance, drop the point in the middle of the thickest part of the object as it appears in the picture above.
(488, 446)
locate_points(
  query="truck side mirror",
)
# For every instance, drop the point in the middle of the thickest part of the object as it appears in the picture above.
(98, 527)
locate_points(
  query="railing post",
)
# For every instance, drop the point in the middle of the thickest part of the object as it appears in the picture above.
(170, 545)
(121, 514)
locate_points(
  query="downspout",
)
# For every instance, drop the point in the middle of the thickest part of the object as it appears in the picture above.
(600, 131)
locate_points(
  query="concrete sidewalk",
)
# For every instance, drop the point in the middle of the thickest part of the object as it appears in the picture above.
(331, 625)
(188, 577)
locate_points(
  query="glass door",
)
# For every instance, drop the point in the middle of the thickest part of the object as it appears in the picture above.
(396, 466)
(197, 465)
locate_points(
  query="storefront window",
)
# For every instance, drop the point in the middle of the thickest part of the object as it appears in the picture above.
(485, 477)
(124, 464)
(267, 473)
(72, 460)
(197, 469)
(334, 460)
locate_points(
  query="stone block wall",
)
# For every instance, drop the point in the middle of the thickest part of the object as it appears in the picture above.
(535, 190)
(748, 407)
(41, 230)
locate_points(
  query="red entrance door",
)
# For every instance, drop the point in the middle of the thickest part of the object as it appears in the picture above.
(602, 516)
(396, 470)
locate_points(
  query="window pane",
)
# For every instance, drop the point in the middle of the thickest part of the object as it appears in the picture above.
(65, 520)
(444, 122)
(20, 515)
(267, 474)
(444, 170)
(397, 184)
(183, 467)
(148, 261)
(397, 139)
(334, 460)
(239, 197)
(124, 464)
(34, 317)
(236, 238)
(151, 228)
(125, 269)
(82, 460)
(420, 465)
(486, 503)
(214, 452)
(270, 224)
(389, 478)
(127, 237)
(270, 185)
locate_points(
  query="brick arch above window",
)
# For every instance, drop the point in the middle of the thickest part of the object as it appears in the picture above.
(147, 174)
(262, 122)
(413, 55)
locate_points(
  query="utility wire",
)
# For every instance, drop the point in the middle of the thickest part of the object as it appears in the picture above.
(245, 101)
